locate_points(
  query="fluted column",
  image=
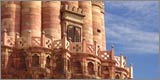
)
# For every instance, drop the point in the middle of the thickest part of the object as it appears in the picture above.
(72, 3)
(103, 29)
(87, 33)
(31, 18)
(10, 17)
(51, 19)
(97, 25)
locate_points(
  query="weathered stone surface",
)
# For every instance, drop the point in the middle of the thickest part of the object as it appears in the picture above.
(51, 19)
(31, 18)
(97, 25)
(72, 43)
(10, 17)
(87, 26)
(72, 3)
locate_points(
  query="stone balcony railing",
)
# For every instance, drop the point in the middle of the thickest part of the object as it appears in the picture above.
(121, 63)
(45, 42)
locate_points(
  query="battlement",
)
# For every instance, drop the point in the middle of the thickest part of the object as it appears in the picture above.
(98, 3)
(72, 9)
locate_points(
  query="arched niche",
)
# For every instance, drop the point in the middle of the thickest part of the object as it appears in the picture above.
(68, 65)
(117, 76)
(35, 60)
(48, 61)
(90, 68)
(59, 64)
(77, 67)
(22, 61)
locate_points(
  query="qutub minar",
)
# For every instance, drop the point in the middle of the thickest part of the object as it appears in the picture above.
(57, 39)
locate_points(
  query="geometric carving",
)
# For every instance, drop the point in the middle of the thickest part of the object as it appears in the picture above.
(105, 56)
(36, 41)
(117, 58)
(80, 60)
(22, 42)
(57, 44)
(77, 47)
(90, 48)
(48, 43)
(10, 41)
(67, 45)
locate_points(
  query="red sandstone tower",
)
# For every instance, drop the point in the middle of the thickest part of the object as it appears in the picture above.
(31, 18)
(87, 22)
(57, 39)
(51, 20)
(11, 18)
(97, 25)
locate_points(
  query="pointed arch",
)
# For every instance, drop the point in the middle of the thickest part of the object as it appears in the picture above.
(90, 68)
(48, 61)
(22, 60)
(35, 60)
(77, 67)
(99, 70)
(68, 65)
(117, 76)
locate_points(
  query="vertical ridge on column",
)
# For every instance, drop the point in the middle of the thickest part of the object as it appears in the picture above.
(51, 23)
(87, 26)
(31, 18)
(96, 21)
(11, 17)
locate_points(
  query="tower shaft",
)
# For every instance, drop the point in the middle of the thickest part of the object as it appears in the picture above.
(87, 21)
(97, 24)
(11, 17)
(31, 13)
(51, 23)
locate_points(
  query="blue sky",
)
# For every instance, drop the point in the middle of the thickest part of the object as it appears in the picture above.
(132, 26)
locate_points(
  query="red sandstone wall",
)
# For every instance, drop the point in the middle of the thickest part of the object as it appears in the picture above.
(50, 22)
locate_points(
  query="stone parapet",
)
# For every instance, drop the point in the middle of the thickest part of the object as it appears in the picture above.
(73, 9)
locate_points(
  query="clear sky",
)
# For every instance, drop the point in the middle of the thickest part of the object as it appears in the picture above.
(132, 26)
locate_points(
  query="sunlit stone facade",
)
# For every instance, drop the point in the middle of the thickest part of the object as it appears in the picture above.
(57, 39)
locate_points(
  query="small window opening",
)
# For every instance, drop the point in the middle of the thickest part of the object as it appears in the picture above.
(98, 30)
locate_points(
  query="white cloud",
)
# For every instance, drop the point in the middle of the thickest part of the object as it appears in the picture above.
(133, 40)
(133, 5)
(133, 35)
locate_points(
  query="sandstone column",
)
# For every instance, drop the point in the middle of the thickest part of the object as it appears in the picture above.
(31, 18)
(10, 17)
(87, 33)
(51, 19)
(96, 21)
(103, 29)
